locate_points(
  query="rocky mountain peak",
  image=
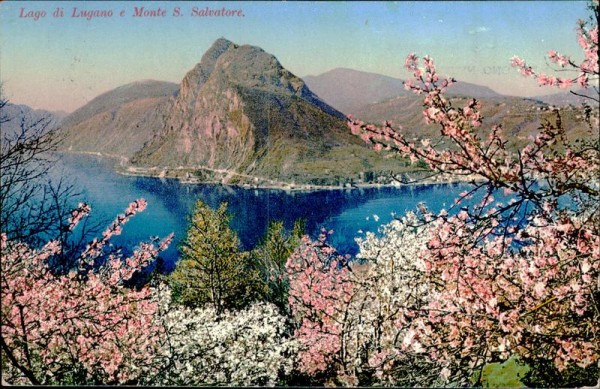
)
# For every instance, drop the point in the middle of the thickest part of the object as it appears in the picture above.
(218, 47)
(236, 106)
(245, 66)
(195, 78)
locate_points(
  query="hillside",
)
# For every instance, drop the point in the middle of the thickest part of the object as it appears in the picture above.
(240, 117)
(562, 99)
(22, 117)
(120, 121)
(520, 118)
(351, 90)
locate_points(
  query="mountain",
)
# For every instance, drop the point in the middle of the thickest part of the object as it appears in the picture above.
(237, 117)
(350, 90)
(375, 98)
(118, 122)
(18, 117)
(567, 98)
(239, 110)
(520, 117)
(347, 89)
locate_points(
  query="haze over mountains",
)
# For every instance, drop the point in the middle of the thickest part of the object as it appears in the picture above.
(375, 98)
(350, 90)
(239, 115)
(567, 98)
(16, 117)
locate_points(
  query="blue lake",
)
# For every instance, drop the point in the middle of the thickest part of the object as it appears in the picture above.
(349, 213)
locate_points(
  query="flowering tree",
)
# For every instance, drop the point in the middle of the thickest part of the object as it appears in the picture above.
(393, 288)
(586, 71)
(83, 327)
(202, 347)
(320, 293)
(516, 277)
(352, 318)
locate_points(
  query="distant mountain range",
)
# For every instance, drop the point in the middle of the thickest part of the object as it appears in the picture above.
(351, 90)
(240, 117)
(566, 98)
(375, 98)
(21, 117)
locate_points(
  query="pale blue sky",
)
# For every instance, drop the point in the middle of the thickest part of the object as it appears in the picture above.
(62, 63)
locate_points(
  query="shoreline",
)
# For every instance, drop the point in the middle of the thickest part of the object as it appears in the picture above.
(121, 168)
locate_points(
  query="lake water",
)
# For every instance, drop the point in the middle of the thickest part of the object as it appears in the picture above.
(349, 213)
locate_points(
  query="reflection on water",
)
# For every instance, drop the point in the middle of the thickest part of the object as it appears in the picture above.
(169, 202)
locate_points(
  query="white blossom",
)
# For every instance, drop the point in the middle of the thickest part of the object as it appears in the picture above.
(390, 281)
(247, 347)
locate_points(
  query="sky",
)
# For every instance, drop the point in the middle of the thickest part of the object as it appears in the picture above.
(59, 63)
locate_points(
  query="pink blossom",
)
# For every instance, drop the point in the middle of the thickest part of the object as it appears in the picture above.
(88, 316)
(564, 83)
(515, 61)
(496, 296)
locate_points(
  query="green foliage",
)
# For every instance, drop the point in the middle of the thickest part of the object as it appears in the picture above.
(544, 374)
(271, 255)
(421, 164)
(538, 373)
(212, 269)
(506, 375)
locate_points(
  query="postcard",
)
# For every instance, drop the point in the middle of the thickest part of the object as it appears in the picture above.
(300, 193)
